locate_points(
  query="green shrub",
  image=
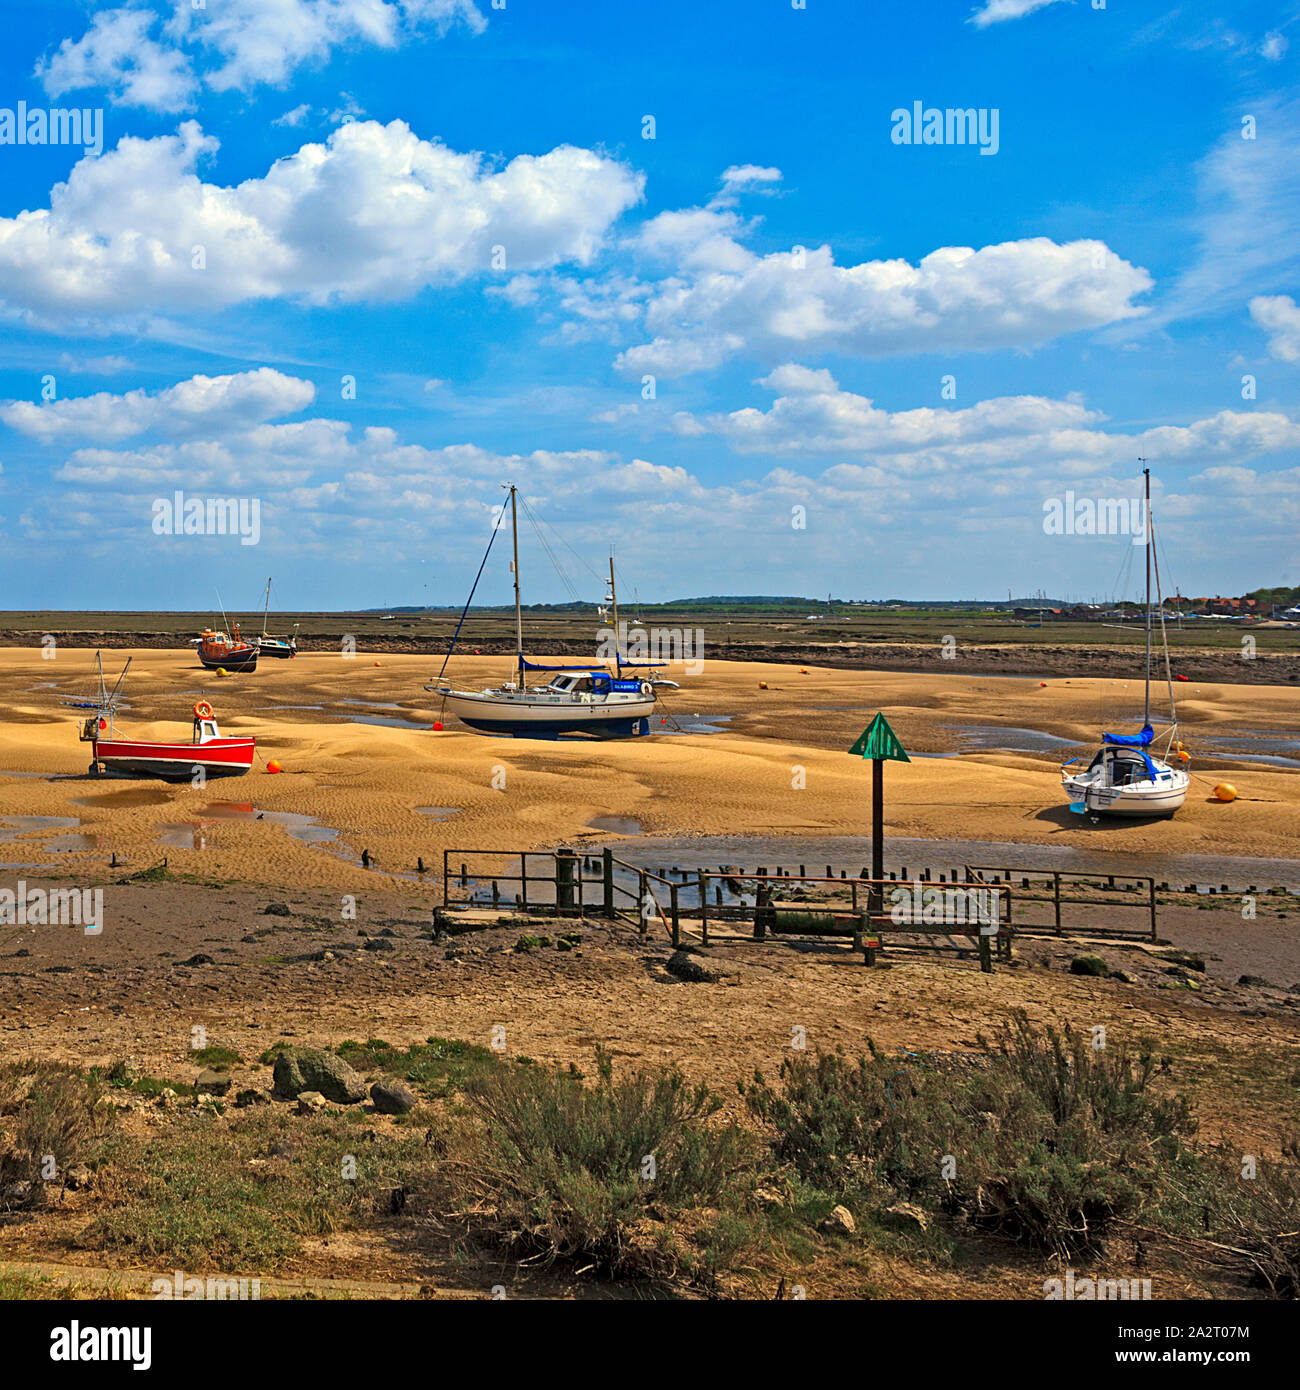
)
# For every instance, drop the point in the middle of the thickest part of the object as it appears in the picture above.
(609, 1175)
(437, 1066)
(46, 1109)
(219, 1058)
(1045, 1138)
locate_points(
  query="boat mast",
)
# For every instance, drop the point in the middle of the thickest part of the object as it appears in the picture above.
(266, 611)
(613, 598)
(1146, 698)
(519, 612)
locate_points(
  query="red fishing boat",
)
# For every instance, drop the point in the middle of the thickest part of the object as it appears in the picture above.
(207, 752)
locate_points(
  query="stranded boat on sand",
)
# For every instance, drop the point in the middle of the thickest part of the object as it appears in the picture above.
(1124, 779)
(217, 651)
(584, 699)
(275, 646)
(206, 752)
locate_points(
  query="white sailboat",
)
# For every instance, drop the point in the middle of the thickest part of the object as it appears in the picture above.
(275, 646)
(575, 699)
(1124, 779)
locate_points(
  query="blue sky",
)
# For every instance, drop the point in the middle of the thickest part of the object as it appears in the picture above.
(771, 349)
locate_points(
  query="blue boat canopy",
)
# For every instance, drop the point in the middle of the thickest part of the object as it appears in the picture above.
(1140, 741)
(1131, 740)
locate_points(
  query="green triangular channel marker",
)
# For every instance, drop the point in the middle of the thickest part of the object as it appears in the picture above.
(878, 740)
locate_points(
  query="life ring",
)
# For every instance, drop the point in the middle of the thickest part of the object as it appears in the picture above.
(647, 688)
(203, 710)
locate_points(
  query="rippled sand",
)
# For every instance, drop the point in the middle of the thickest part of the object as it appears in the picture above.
(778, 766)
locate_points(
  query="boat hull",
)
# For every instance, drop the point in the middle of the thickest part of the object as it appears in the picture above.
(1163, 803)
(1130, 801)
(513, 719)
(241, 659)
(280, 650)
(221, 757)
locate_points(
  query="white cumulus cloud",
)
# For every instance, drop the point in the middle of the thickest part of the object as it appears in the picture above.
(375, 212)
(214, 403)
(119, 54)
(956, 299)
(1280, 315)
(254, 42)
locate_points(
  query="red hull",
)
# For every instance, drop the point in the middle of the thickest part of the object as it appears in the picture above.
(218, 757)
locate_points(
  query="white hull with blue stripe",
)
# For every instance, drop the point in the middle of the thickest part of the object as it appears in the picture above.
(568, 705)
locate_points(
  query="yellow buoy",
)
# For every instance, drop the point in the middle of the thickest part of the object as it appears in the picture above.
(1225, 791)
(221, 671)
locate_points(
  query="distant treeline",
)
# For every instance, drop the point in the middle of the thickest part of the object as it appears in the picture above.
(1282, 597)
(723, 603)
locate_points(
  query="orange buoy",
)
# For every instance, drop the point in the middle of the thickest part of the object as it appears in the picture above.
(1225, 791)
(803, 670)
(1042, 685)
(437, 724)
(274, 766)
(203, 710)
(376, 663)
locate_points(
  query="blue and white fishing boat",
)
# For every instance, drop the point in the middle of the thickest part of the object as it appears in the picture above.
(580, 699)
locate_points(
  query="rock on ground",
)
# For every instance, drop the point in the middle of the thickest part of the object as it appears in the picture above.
(840, 1222)
(299, 1069)
(392, 1097)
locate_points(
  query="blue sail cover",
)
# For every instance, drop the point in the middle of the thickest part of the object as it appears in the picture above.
(1139, 741)
(1131, 740)
(602, 682)
(535, 666)
(588, 667)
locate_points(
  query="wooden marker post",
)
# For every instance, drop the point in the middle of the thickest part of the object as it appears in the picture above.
(879, 743)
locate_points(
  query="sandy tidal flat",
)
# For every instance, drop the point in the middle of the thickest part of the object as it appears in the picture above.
(777, 766)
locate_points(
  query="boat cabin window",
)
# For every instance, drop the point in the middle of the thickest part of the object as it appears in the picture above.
(1124, 769)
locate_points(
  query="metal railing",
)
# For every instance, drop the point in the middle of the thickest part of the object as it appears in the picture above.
(566, 890)
(1134, 892)
(576, 884)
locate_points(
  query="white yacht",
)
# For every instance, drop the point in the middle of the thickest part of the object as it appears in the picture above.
(1124, 778)
(582, 699)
